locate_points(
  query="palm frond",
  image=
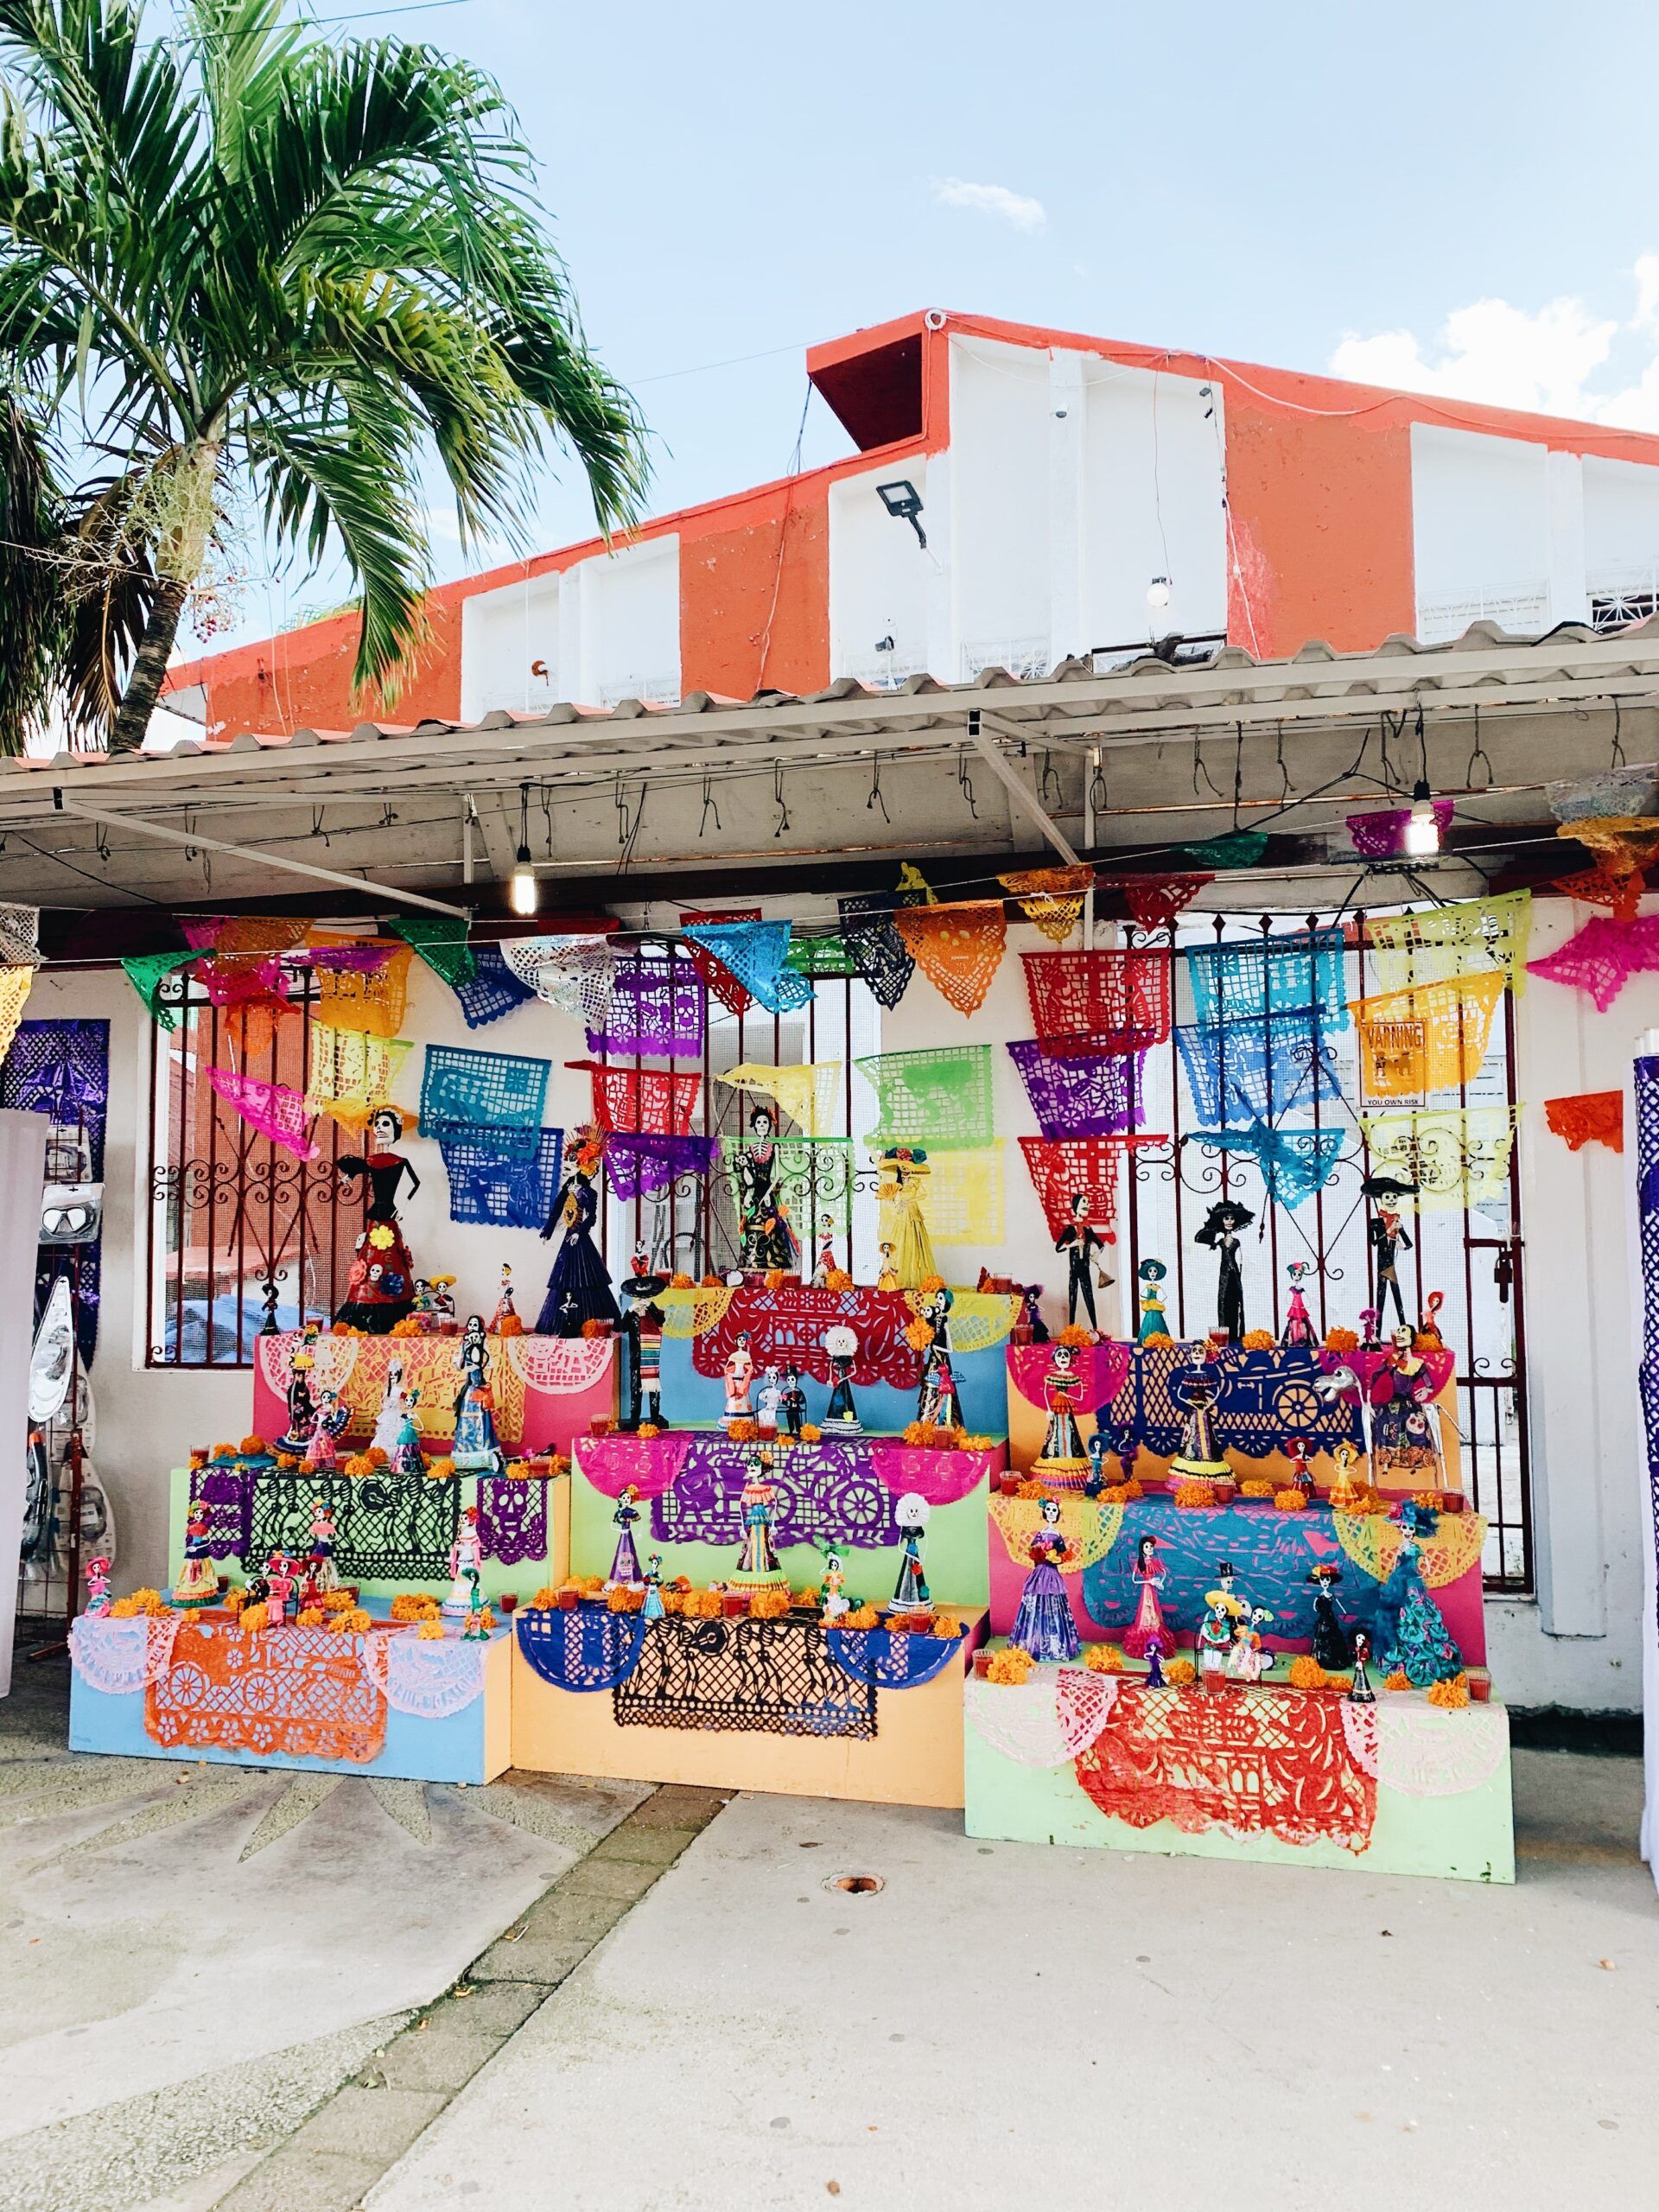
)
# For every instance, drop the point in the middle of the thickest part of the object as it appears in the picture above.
(31, 600)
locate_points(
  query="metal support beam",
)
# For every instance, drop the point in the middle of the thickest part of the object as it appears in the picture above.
(143, 828)
(991, 752)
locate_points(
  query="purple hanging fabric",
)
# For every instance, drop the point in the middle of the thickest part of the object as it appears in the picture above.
(1081, 1097)
(656, 1008)
(637, 1165)
(62, 1069)
(228, 1493)
(513, 1519)
(825, 1494)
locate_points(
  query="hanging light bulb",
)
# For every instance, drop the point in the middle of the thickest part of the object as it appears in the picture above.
(1158, 594)
(1422, 834)
(523, 895)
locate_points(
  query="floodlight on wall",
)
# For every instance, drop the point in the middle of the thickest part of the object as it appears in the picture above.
(901, 498)
(1422, 834)
(523, 895)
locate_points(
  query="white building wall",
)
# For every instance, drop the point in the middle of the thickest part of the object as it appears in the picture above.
(1154, 505)
(1577, 1644)
(148, 1418)
(1000, 538)
(882, 581)
(629, 623)
(1621, 528)
(1481, 532)
(510, 649)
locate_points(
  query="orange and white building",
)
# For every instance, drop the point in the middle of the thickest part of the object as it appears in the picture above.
(1019, 495)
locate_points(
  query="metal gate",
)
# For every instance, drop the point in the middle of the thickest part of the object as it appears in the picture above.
(1472, 1250)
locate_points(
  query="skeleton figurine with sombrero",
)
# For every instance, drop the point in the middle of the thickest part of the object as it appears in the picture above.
(1389, 1235)
(642, 1325)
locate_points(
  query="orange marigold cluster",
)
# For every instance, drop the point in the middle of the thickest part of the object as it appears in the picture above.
(769, 1604)
(1074, 1335)
(1306, 1673)
(1255, 1489)
(710, 1282)
(648, 1429)
(930, 1284)
(377, 1457)
(1010, 1666)
(1288, 1501)
(358, 1465)
(861, 1617)
(624, 1601)
(1195, 1495)
(1180, 1674)
(680, 1282)
(932, 1437)
(439, 1470)
(542, 1602)
(338, 1601)
(1452, 1693)
(408, 1326)
(810, 1432)
(1399, 1679)
(1257, 1340)
(253, 1445)
(1104, 1659)
(702, 1605)
(1159, 1337)
(743, 1431)
(1341, 1340)
(224, 1451)
(591, 1328)
(775, 1278)
(355, 1622)
(429, 1631)
(918, 1335)
(310, 1617)
(413, 1606)
(1121, 1493)
(1032, 1488)
(838, 1278)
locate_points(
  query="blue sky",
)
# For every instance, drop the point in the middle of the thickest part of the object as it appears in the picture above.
(1306, 186)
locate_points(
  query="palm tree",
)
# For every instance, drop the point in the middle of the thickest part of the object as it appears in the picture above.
(238, 259)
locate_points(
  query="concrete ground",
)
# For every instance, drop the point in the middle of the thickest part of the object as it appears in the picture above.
(192, 1956)
(695, 2018)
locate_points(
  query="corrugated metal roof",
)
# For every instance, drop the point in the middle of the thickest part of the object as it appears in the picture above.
(1146, 698)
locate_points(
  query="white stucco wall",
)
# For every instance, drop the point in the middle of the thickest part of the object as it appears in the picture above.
(1576, 1644)
(149, 1417)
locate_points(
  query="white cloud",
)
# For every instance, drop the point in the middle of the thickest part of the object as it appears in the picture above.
(1544, 361)
(1026, 215)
